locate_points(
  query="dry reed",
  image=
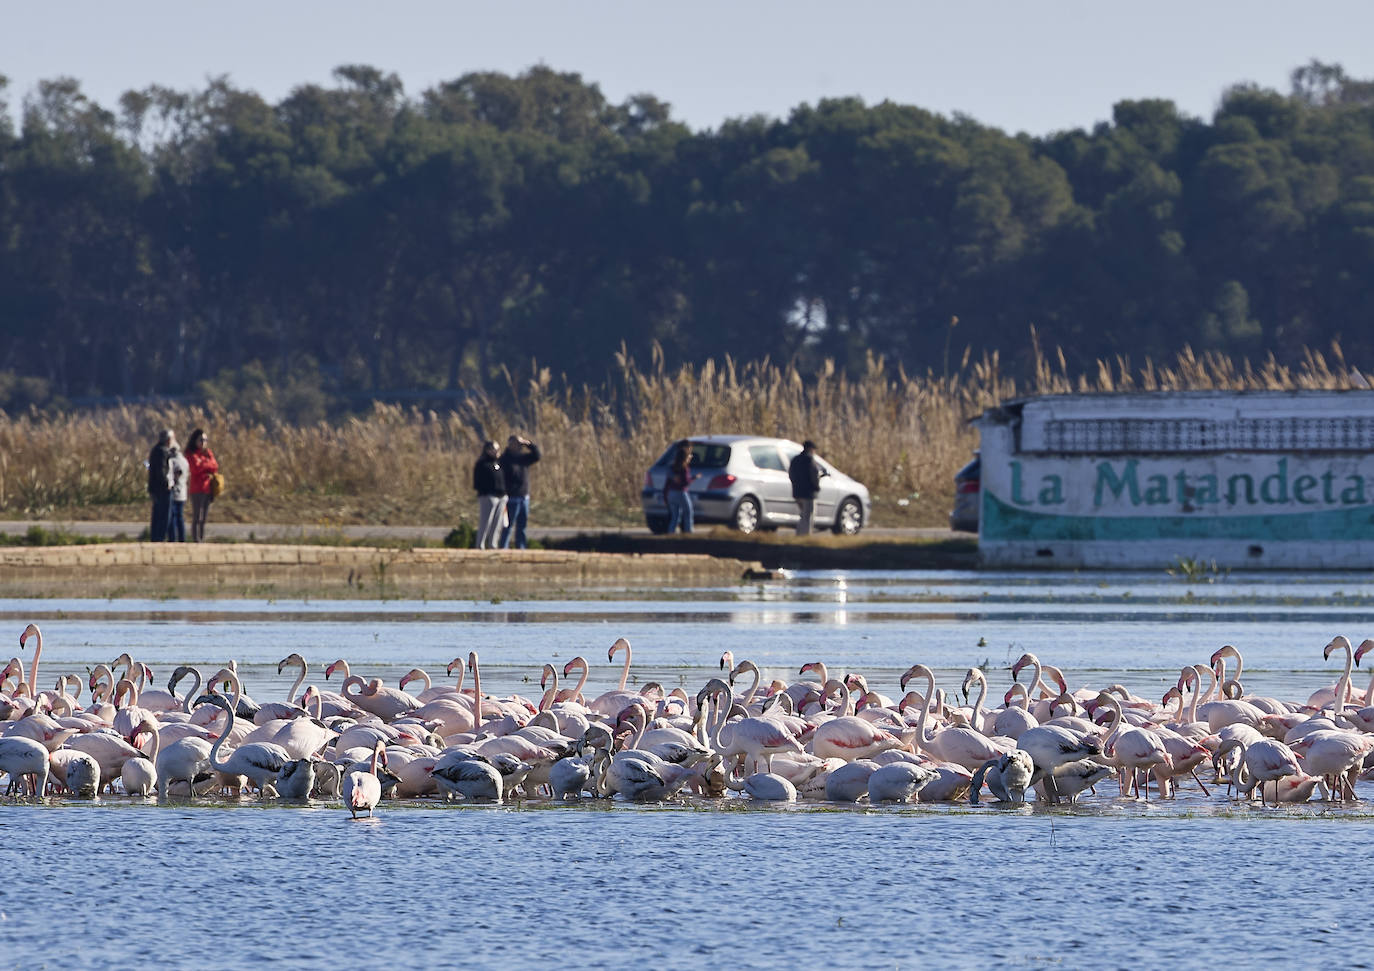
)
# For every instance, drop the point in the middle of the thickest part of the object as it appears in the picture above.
(903, 435)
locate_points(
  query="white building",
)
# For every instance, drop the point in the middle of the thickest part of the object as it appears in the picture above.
(1253, 479)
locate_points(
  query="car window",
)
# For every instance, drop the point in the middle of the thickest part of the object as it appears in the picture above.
(705, 455)
(766, 457)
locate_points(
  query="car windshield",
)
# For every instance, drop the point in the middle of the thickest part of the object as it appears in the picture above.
(705, 455)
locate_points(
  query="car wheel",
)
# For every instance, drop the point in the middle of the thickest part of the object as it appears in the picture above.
(746, 518)
(658, 525)
(849, 518)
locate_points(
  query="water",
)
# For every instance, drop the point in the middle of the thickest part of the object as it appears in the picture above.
(704, 882)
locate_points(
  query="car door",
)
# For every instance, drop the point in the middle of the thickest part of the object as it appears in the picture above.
(773, 484)
(831, 492)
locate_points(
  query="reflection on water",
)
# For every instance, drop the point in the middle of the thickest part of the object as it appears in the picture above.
(635, 887)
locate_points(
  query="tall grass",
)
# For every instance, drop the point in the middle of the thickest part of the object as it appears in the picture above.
(903, 435)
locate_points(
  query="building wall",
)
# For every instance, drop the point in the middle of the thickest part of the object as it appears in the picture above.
(1112, 495)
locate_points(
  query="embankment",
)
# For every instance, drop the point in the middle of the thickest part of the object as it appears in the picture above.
(779, 551)
(259, 570)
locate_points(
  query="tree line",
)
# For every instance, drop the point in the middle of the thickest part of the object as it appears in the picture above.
(354, 239)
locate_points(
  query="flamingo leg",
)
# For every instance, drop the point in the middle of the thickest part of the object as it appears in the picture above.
(1193, 772)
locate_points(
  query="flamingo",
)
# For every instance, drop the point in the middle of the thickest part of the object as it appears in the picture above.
(849, 782)
(568, 776)
(296, 779)
(1053, 746)
(109, 750)
(898, 782)
(20, 756)
(962, 746)
(140, 775)
(1008, 777)
(613, 702)
(1013, 719)
(185, 760)
(1325, 696)
(469, 775)
(1264, 760)
(388, 704)
(363, 790)
(33, 631)
(1335, 756)
(259, 762)
(758, 738)
(82, 774)
(764, 787)
(1071, 778)
(847, 736)
(1135, 750)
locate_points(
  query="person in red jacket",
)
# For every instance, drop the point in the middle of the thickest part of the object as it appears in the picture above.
(203, 465)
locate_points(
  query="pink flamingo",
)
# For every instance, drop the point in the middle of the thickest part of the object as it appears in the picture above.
(33, 631)
(758, 738)
(1336, 756)
(1264, 761)
(363, 790)
(1135, 750)
(847, 736)
(962, 746)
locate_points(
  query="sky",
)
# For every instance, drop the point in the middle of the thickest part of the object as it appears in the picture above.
(1032, 67)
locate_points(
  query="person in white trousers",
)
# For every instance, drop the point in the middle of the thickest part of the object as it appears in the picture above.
(490, 484)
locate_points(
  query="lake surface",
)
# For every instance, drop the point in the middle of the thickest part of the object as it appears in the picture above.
(705, 882)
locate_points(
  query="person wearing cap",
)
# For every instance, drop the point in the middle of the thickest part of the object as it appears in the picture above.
(491, 494)
(805, 474)
(516, 460)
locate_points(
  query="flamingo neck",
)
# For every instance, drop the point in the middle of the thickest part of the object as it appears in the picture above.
(581, 663)
(753, 688)
(625, 671)
(1115, 726)
(1037, 682)
(476, 694)
(721, 715)
(978, 704)
(296, 686)
(157, 738)
(641, 724)
(191, 695)
(214, 749)
(33, 668)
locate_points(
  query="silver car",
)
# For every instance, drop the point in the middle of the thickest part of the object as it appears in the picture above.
(742, 480)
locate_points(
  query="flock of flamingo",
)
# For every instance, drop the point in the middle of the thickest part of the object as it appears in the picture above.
(818, 738)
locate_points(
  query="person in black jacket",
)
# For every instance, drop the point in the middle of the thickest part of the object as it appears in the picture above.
(516, 460)
(805, 474)
(159, 484)
(491, 495)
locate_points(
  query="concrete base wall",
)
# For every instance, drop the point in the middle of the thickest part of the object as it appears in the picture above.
(236, 570)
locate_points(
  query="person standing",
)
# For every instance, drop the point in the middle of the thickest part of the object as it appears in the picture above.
(515, 461)
(491, 494)
(203, 466)
(158, 485)
(680, 476)
(805, 474)
(181, 475)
